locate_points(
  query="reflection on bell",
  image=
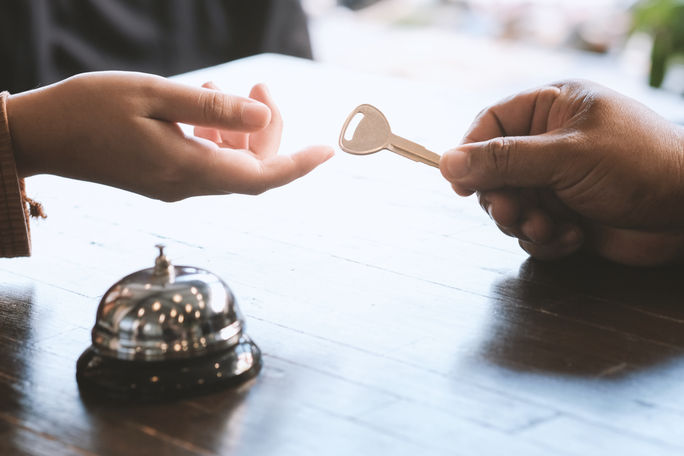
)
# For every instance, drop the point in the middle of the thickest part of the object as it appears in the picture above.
(167, 332)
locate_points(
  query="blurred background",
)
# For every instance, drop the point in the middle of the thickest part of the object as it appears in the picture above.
(492, 48)
(506, 45)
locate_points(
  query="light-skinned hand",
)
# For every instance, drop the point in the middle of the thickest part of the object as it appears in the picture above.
(576, 165)
(121, 129)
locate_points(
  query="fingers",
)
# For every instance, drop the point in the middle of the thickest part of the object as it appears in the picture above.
(211, 134)
(513, 161)
(568, 240)
(235, 171)
(523, 114)
(511, 152)
(635, 247)
(265, 143)
(257, 167)
(232, 139)
(175, 102)
(506, 145)
(504, 207)
(517, 214)
(228, 138)
(542, 230)
(282, 169)
(537, 227)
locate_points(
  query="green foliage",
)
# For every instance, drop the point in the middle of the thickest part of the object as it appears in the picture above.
(664, 21)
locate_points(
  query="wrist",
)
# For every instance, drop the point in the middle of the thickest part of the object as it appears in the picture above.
(16, 123)
(29, 126)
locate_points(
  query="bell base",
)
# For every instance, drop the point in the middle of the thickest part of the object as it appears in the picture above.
(103, 377)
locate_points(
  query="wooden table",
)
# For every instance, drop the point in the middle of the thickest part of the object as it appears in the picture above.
(393, 317)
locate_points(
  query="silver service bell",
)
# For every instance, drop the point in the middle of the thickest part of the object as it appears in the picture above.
(166, 332)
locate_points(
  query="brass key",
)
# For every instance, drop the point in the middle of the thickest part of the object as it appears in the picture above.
(373, 134)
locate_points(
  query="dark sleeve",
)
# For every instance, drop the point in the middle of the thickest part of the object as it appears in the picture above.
(45, 41)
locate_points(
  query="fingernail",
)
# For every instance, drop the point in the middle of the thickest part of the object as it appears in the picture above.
(211, 85)
(456, 163)
(255, 114)
(330, 152)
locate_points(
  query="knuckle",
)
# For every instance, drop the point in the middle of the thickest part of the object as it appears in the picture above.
(499, 152)
(211, 104)
(148, 87)
(216, 105)
(260, 184)
(151, 82)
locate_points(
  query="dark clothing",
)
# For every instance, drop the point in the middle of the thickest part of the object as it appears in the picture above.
(43, 41)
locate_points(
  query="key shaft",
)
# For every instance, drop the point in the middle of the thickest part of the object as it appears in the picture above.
(412, 151)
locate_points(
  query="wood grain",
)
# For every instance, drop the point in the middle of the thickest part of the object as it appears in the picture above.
(393, 318)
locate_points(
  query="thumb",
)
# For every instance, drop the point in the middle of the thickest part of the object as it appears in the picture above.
(508, 161)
